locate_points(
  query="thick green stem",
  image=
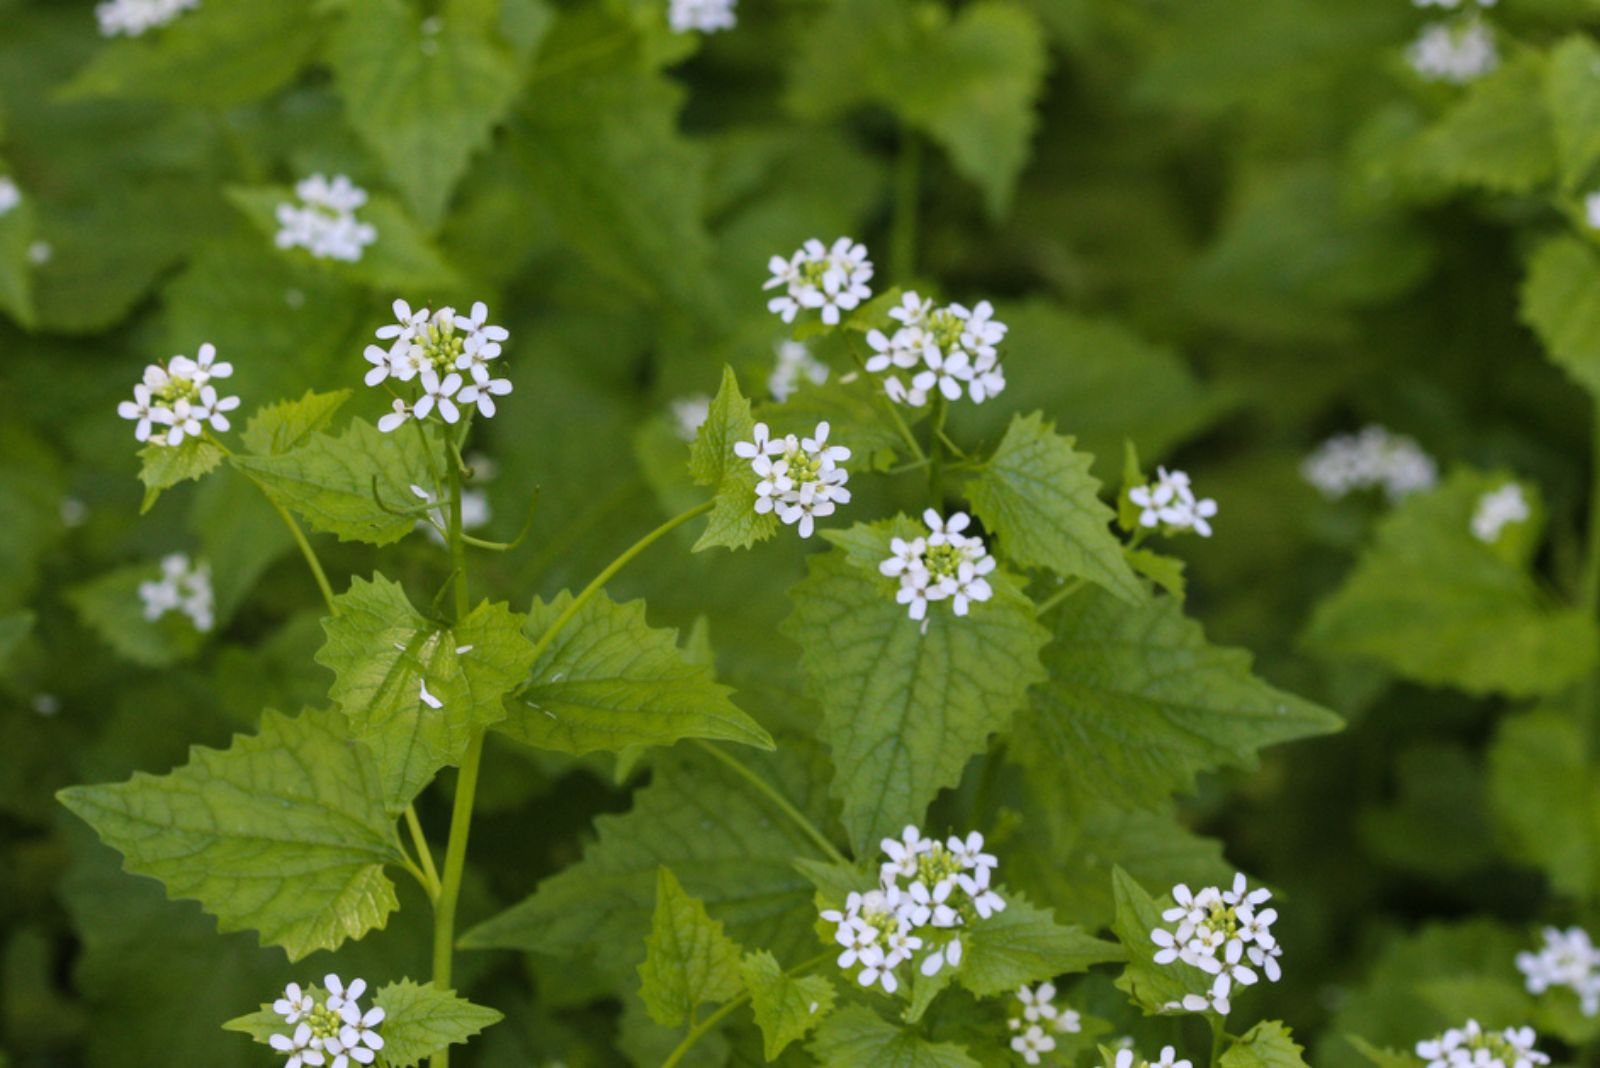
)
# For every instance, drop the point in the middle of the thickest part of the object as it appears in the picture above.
(1217, 1035)
(907, 183)
(780, 802)
(428, 875)
(704, 1027)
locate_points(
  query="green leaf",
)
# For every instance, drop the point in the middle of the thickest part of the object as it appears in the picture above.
(857, 1037)
(904, 710)
(422, 1020)
(1546, 799)
(1165, 571)
(1561, 301)
(1432, 603)
(383, 654)
(423, 99)
(1382, 1058)
(1266, 1045)
(734, 522)
(1138, 703)
(110, 606)
(1038, 497)
(608, 681)
(1024, 944)
(1572, 94)
(283, 833)
(1498, 136)
(329, 481)
(688, 961)
(1152, 985)
(16, 271)
(163, 466)
(786, 1007)
(278, 428)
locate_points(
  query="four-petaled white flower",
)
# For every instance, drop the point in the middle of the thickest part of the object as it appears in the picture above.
(798, 478)
(178, 401)
(183, 587)
(703, 16)
(1033, 1042)
(324, 223)
(828, 279)
(131, 18)
(434, 348)
(1169, 503)
(295, 1005)
(1471, 1046)
(951, 351)
(1498, 509)
(944, 564)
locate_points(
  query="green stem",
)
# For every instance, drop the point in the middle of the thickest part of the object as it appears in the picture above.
(884, 402)
(704, 1027)
(429, 875)
(903, 232)
(941, 408)
(1589, 584)
(1217, 1035)
(780, 802)
(1066, 590)
(306, 551)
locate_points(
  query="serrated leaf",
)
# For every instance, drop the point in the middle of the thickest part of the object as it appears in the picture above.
(688, 960)
(1165, 571)
(1561, 301)
(1024, 944)
(1138, 703)
(423, 99)
(422, 1020)
(1432, 603)
(1546, 799)
(283, 833)
(328, 481)
(1498, 136)
(163, 466)
(1153, 986)
(1266, 1045)
(857, 1037)
(734, 522)
(1036, 494)
(383, 653)
(786, 1007)
(608, 680)
(1572, 94)
(277, 428)
(904, 710)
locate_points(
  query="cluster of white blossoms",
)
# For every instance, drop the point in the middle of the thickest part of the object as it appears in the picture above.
(329, 1030)
(1452, 5)
(800, 478)
(1456, 52)
(704, 16)
(130, 18)
(949, 350)
(178, 401)
(1169, 503)
(793, 365)
(1126, 1058)
(1224, 933)
(1346, 463)
(325, 222)
(434, 348)
(1497, 509)
(1473, 1047)
(689, 414)
(1567, 958)
(828, 279)
(927, 891)
(1039, 1021)
(943, 565)
(10, 195)
(183, 587)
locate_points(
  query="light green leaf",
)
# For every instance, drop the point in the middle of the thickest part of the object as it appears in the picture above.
(1546, 799)
(277, 428)
(1266, 1045)
(329, 481)
(1431, 602)
(423, 99)
(608, 680)
(384, 654)
(857, 1037)
(1024, 944)
(163, 466)
(1038, 497)
(1561, 301)
(1498, 136)
(1382, 1058)
(904, 710)
(1165, 571)
(1572, 94)
(283, 833)
(734, 522)
(786, 1007)
(1138, 703)
(688, 961)
(1152, 985)
(422, 1020)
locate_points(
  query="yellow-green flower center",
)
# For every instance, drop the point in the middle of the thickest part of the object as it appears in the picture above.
(802, 467)
(946, 328)
(325, 1023)
(441, 345)
(943, 561)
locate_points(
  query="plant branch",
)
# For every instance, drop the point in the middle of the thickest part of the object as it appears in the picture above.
(704, 1027)
(1067, 590)
(430, 874)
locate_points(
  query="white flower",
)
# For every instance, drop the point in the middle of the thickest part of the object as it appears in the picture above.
(133, 17)
(358, 1036)
(970, 854)
(706, 16)
(1567, 958)
(332, 1031)
(690, 414)
(398, 414)
(1373, 457)
(41, 253)
(804, 482)
(951, 350)
(1225, 933)
(183, 587)
(1591, 210)
(324, 223)
(1470, 1046)
(1497, 509)
(1033, 1042)
(1126, 1058)
(10, 195)
(438, 393)
(434, 347)
(340, 995)
(181, 398)
(298, 1045)
(794, 364)
(295, 1005)
(944, 565)
(1455, 52)
(903, 853)
(1215, 1000)
(1169, 1059)
(826, 279)
(1170, 503)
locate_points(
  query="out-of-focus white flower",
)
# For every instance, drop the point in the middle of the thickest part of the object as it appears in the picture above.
(1470, 1046)
(41, 253)
(689, 414)
(183, 587)
(1456, 52)
(828, 279)
(1567, 958)
(1346, 463)
(1497, 509)
(130, 18)
(10, 195)
(324, 223)
(794, 364)
(1033, 1042)
(703, 16)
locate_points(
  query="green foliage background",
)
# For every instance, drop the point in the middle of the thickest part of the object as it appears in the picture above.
(1223, 229)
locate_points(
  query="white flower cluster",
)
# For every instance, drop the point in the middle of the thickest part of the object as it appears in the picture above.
(1567, 958)
(689, 414)
(950, 350)
(1497, 509)
(794, 364)
(1126, 1058)
(1040, 1021)
(1473, 1047)
(943, 565)
(325, 222)
(10, 195)
(1451, 5)
(1346, 463)
(1223, 933)
(181, 398)
(182, 587)
(828, 279)
(800, 477)
(330, 1030)
(434, 348)
(1169, 502)
(706, 16)
(1456, 52)
(130, 18)
(927, 890)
